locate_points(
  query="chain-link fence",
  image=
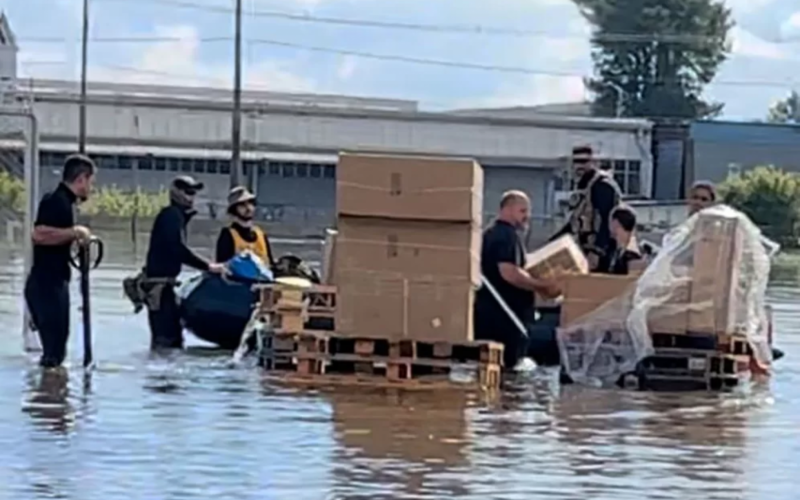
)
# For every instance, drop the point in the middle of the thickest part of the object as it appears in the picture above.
(19, 195)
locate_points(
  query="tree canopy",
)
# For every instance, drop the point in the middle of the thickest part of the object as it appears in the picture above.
(786, 110)
(771, 198)
(656, 56)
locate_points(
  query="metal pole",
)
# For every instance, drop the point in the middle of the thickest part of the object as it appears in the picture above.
(236, 127)
(84, 52)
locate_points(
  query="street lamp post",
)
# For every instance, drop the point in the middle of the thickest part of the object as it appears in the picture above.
(236, 125)
(82, 105)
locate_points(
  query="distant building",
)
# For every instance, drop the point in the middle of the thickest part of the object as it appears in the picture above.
(723, 148)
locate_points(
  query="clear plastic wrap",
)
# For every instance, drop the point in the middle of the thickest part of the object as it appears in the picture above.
(710, 277)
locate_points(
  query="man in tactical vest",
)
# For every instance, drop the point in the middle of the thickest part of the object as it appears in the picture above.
(591, 206)
(242, 234)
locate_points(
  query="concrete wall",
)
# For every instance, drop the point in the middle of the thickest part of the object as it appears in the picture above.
(720, 145)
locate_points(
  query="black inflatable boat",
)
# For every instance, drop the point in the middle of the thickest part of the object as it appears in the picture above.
(217, 310)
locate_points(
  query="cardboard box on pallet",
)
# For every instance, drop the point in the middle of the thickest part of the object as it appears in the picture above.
(610, 297)
(406, 248)
(393, 306)
(409, 187)
(717, 254)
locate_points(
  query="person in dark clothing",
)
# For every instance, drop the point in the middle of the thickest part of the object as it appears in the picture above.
(242, 234)
(628, 256)
(597, 195)
(502, 264)
(167, 253)
(54, 232)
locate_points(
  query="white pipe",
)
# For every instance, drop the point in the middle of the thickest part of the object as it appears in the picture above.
(513, 317)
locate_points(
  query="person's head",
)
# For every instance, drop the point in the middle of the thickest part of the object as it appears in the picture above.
(183, 191)
(515, 208)
(702, 195)
(623, 222)
(582, 161)
(241, 204)
(78, 175)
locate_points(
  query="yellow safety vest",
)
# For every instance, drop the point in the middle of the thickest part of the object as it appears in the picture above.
(258, 247)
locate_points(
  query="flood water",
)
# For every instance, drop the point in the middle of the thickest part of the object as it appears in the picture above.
(196, 428)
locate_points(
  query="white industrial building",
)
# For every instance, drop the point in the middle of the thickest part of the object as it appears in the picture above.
(144, 134)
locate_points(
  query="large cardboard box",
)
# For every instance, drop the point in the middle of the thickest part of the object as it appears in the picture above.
(609, 299)
(388, 305)
(409, 187)
(584, 294)
(421, 249)
(716, 259)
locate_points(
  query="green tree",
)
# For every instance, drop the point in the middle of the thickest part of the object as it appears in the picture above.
(786, 110)
(656, 55)
(771, 198)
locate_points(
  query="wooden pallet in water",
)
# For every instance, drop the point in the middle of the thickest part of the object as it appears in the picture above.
(677, 369)
(723, 343)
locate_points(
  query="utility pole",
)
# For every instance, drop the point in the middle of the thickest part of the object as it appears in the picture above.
(84, 54)
(236, 126)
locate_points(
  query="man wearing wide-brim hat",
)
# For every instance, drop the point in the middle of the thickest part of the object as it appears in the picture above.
(242, 235)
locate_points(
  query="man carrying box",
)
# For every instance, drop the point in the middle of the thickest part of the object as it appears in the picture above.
(502, 265)
(598, 195)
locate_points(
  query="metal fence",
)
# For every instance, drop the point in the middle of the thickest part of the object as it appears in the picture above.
(19, 196)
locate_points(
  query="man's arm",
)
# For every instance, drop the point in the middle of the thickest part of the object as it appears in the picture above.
(49, 228)
(172, 226)
(225, 246)
(271, 262)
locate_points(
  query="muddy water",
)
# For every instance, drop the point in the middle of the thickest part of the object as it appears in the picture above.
(195, 428)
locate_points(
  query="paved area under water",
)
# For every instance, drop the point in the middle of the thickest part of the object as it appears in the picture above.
(196, 428)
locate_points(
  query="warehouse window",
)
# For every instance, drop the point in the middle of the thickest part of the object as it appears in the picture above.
(329, 171)
(274, 169)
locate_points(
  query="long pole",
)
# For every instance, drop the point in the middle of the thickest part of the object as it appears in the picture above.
(84, 53)
(236, 126)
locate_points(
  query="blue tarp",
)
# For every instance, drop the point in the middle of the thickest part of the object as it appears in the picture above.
(248, 267)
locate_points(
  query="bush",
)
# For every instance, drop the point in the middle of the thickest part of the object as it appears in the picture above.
(771, 198)
(110, 201)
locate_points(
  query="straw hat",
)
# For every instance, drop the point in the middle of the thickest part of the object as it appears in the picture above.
(239, 195)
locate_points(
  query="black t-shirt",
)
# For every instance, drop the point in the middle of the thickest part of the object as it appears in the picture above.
(57, 209)
(620, 262)
(501, 243)
(168, 247)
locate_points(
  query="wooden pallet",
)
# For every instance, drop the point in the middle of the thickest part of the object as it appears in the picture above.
(722, 343)
(318, 354)
(679, 369)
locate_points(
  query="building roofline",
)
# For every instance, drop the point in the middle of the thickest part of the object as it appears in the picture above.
(6, 32)
(204, 94)
(258, 108)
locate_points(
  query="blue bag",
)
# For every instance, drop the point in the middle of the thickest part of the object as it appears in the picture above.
(250, 268)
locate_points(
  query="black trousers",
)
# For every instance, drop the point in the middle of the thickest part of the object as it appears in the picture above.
(492, 323)
(166, 331)
(48, 303)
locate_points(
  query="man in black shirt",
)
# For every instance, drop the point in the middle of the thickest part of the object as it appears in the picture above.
(502, 264)
(167, 253)
(54, 232)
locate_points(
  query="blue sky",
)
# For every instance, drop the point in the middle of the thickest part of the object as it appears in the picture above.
(764, 67)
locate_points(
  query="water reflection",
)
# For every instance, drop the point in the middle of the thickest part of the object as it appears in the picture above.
(47, 401)
(395, 444)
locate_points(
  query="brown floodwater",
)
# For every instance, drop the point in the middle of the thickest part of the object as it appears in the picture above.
(194, 427)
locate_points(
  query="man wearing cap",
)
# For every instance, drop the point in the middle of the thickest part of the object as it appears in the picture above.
(597, 196)
(167, 253)
(242, 234)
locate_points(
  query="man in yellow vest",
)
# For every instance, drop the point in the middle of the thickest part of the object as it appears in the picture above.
(242, 234)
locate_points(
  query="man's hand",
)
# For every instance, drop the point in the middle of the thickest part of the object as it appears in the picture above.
(81, 234)
(548, 287)
(217, 268)
(594, 261)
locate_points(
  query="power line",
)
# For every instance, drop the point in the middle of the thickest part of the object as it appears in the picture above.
(453, 29)
(426, 61)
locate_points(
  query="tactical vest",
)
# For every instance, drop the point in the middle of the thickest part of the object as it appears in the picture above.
(584, 220)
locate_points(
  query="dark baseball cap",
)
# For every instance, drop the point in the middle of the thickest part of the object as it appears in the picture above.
(187, 183)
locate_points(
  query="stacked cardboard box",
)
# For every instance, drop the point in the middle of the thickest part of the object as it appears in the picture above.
(408, 246)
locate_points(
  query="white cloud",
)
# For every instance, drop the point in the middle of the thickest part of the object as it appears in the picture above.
(747, 44)
(790, 29)
(747, 6)
(178, 62)
(535, 90)
(347, 66)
